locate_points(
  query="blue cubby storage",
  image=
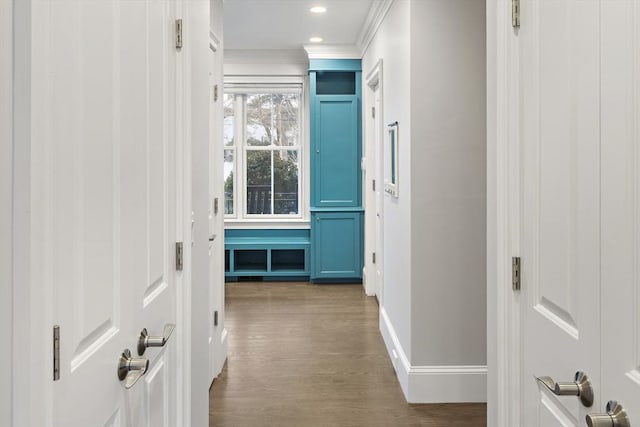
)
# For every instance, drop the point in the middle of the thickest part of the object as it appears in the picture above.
(267, 253)
(336, 178)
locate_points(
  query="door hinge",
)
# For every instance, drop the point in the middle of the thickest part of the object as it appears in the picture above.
(515, 273)
(179, 256)
(373, 257)
(215, 93)
(56, 352)
(215, 318)
(373, 112)
(215, 206)
(373, 185)
(515, 13)
(179, 33)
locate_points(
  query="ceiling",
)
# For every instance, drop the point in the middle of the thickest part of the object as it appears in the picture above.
(288, 24)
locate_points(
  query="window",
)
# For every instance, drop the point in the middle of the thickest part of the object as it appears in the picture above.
(262, 157)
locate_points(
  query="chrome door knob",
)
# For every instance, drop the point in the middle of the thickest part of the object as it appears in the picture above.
(131, 369)
(145, 340)
(581, 388)
(616, 416)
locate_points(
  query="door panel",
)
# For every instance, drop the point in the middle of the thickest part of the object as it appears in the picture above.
(621, 205)
(337, 245)
(561, 158)
(554, 415)
(104, 119)
(157, 394)
(336, 178)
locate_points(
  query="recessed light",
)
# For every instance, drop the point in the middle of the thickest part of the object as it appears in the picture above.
(318, 9)
(316, 39)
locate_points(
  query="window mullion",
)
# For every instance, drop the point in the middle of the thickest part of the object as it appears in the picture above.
(273, 190)
(241, 157)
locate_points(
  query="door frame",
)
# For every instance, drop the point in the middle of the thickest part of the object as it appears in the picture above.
(504, 349)
(6, 208)
(374, 149)
(31, 345)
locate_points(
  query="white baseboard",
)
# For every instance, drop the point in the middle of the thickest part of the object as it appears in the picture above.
(433, 384)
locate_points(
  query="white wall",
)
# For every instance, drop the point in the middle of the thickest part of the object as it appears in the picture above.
(392, 44)
(433, 313)
(266, 62)
(448, 172)
(6, 183)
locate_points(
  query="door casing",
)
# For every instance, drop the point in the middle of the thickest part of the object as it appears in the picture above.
(6, 207)
(374, 209)
(503, 239)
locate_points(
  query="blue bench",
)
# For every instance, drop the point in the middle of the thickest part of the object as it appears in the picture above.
(274, 254)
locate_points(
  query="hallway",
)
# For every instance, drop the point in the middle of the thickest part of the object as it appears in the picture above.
(311, 355)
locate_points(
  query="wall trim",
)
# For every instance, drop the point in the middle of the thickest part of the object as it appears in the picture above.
(433, 383)
(374, 19)
(373, 152)
(439, 384)
(335, 51)
(6, 212)
(395, 350)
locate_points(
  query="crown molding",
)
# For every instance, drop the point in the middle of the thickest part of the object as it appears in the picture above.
(374, 19)
(336, 51)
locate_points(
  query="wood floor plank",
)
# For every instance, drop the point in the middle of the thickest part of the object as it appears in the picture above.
(305, 355)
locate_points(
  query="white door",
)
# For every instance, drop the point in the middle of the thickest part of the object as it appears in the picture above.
(561, 203)
(104, 164)
(579, 205)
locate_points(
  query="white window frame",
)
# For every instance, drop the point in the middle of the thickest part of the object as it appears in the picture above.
(255, 84)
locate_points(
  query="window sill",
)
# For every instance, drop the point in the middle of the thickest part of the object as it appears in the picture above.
(267, 223)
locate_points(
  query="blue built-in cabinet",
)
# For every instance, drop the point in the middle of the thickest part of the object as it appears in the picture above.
(335, 183)
(336, 178)
(267, 253)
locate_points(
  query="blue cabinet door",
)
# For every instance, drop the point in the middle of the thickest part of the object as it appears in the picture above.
(336, 245)
(335, 152)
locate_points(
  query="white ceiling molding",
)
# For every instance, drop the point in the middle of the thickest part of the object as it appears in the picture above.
(374, 19)
(336, 51)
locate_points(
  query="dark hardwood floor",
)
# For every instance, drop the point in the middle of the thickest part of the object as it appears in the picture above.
(311, 355)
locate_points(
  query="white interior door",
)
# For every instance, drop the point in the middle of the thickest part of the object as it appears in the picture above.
(560, 118)
(104, 125)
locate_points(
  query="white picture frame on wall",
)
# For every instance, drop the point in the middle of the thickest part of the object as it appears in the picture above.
(392, 164)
